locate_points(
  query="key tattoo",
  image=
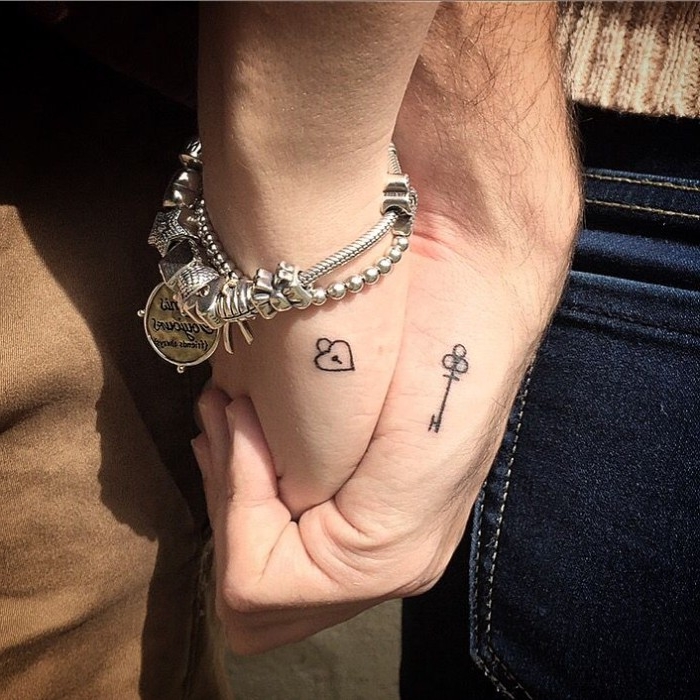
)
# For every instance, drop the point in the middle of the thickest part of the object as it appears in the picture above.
(455, 363)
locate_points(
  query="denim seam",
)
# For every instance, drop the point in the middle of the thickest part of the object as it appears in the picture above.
(508, 672)
(628, 318)
(499, 686)
(494, 556)
(502, 507)
(635, 207)
(477, 563)
(475, 614)
(643, 181)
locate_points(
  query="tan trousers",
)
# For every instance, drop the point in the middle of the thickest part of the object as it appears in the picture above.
(102, 520)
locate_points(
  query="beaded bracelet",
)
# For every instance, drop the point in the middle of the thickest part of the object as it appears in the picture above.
(203, 292)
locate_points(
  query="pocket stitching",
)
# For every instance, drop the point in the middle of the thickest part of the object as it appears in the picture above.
(502, 507)
(494, 556)
(475, 592)
(508, 673)
(642, 181)
(636, 207)
(581, 308)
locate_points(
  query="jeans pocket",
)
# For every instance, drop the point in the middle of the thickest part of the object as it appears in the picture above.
(585, 564)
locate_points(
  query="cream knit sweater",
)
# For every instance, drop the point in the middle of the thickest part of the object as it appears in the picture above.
(641, 57)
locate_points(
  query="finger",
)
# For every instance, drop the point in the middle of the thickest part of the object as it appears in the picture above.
(254, 478)
(255, 518)
(212, 411)
(197, 415)
(264, 563)
(212, 489)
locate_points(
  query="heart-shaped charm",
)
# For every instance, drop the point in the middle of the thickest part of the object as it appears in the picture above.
(334, 356)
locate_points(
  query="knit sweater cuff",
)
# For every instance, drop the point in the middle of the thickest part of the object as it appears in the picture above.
(636, 57)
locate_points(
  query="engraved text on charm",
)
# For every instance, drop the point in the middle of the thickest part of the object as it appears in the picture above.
(176, 337)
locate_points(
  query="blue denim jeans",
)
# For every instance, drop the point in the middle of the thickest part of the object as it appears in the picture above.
(579, 576)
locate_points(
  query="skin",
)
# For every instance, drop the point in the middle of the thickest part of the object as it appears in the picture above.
(484, 133)
(298, 103)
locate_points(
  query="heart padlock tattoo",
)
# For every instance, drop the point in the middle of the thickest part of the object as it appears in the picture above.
(334, 356)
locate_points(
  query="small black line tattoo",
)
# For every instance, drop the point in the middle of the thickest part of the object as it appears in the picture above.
(455, 363)
(334, 356)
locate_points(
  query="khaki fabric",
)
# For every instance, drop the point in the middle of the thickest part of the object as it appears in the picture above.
(102, 522)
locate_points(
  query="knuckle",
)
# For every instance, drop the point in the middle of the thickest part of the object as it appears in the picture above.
(422, 583)
(238, 597)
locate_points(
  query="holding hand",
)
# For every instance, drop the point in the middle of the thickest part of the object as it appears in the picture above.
(489, 152)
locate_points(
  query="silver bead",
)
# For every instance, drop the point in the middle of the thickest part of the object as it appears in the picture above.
(336, 290)
(397, 194)
(184, 189)
(401, 242)
(404, 226)
(371, 275)
(384, 266)
(192, 154)
(193, 278)
(180, 256)
(167, 231)
(279, 301)
(219, 259)
(188, 220)
(355, 283)
(286, 281)
(318, 296)
(394, 254)
(260, 291)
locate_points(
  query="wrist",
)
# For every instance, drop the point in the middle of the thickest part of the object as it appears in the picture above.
(297, 104)
(280, 210)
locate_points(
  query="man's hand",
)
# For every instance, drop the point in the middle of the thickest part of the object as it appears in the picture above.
(391, 529)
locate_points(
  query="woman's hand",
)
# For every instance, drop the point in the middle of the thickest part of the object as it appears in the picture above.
(298, 102)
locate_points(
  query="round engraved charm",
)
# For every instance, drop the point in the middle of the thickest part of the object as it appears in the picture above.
(176, 337)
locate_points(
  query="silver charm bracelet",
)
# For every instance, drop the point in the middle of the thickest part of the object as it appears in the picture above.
(203, 292)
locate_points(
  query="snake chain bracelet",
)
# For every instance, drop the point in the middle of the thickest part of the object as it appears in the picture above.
(203, 293)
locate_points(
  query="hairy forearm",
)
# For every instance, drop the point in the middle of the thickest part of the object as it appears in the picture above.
(487, 132)
(499, 162)
(497, 168)
(297, 106)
